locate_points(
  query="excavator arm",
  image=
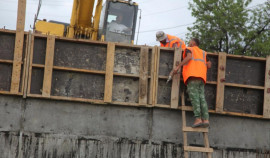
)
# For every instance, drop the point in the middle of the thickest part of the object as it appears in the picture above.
(81, 23)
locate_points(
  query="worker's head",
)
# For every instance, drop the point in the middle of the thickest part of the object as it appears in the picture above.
(194, 42)
(161, 36)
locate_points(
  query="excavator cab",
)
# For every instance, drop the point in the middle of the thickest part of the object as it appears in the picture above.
(118, 21)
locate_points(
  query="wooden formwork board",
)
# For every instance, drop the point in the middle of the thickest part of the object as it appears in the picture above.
(48, 69)
(156, 78)
(152, 77)
(176, 79)
(66, 71)
(18, 51)
(7, 47)
(143, 85)
(220, 82)
(109, 73)
(266, 104)
(26, 64)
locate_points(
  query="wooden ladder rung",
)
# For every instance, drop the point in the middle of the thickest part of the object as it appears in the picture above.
(190, 129)
(186, 108)
(198, 149)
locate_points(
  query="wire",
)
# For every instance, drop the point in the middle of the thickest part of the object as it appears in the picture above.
(146, 2)
(165, 11)
(166, 28)
(181, 33)
(35, 3)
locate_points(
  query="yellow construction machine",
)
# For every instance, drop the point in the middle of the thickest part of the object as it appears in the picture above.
(115, 21)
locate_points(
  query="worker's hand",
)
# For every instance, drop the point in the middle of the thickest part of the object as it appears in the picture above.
(175, 70)
(209, 64)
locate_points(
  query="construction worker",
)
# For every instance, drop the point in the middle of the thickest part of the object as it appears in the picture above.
(167, 40)
(118, 26)
(195, 63)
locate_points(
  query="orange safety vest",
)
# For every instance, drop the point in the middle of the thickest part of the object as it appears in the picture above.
(172, 40)
(196, 67)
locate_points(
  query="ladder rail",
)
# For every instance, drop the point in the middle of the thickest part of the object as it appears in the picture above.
(186, 129)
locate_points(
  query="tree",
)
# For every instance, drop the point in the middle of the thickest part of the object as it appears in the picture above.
(230, 26)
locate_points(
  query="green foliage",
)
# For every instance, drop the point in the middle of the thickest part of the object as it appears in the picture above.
(230, 26)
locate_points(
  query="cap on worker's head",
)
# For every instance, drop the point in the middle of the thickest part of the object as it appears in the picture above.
(161, 36)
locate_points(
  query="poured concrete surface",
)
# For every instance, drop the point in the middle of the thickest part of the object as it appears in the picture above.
(70, 129)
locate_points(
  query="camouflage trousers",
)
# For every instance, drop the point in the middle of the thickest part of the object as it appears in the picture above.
(195, 90)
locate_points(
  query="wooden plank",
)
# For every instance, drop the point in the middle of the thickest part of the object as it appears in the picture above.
(109, 72)
(246, 57)
(30, 64)
(190, 129)
(130, 104)
(18, 51)
(48, 70)
(127, 75)
(163, 106)
(8, 93)
(156, 71)
(143, 82)
(266, 105)
(152, 80)
(186, 108)
(93, 101)
(206, 144)
(183, 111)
(198, 149)
(240, 114)
(6, 61)
(176, 79)
(27, 64)
(184, 123)
(220, 82)
(244, 86)
(78, 70)
(87, 71)
(7, 31)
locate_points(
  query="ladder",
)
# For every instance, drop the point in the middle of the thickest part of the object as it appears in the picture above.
(186, 129)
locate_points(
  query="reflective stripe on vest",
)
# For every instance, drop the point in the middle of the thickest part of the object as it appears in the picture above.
(171, 41)
(202, 60)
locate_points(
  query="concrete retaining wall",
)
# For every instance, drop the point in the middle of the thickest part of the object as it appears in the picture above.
(49, 129)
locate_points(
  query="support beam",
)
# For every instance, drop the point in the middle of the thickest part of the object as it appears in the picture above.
(176, 79)
(18, 51)
(31, 55)
(157, 58)
(143, 85)
(109, 72)
(266, 105)
(221, 82)
(152, 80)
(27, 63)
(48, 70)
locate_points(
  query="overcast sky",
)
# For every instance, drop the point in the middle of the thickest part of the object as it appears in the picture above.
(171, 16)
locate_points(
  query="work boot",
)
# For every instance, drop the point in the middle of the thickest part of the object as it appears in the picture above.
(205, 123)
(197, 123)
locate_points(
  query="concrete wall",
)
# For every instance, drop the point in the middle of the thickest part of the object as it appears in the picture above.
(48, 128)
